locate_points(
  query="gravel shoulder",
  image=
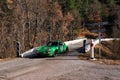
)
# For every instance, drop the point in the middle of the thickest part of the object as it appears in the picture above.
(71, 68)
(92, 72)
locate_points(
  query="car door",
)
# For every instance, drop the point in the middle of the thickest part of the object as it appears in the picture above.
(61, 47)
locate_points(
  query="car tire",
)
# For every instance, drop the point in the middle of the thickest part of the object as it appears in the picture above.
(67, 49)
(55, 53)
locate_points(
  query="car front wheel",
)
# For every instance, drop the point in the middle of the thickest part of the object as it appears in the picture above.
(67, 49)
(55, 53)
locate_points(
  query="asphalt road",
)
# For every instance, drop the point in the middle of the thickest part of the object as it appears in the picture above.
(63, 67)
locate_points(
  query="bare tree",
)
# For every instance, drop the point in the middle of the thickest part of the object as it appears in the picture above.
(116, 28)
(116, 34)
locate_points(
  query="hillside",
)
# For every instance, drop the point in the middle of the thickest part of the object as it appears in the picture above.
(110, 52)
(34, 22)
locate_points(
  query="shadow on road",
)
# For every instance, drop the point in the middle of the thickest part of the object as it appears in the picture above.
(81, 50)
(63, 59)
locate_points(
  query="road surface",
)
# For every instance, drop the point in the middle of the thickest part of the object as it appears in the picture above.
(63, 67)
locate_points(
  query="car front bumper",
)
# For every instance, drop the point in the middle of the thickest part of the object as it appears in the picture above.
(49, 54)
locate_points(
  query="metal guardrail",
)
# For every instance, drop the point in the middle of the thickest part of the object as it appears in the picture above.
(74, 41)
(95, 42)
(86, 46)
(29, 53)
(32, 51)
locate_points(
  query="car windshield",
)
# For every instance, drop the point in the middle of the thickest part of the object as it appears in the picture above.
(52, 44)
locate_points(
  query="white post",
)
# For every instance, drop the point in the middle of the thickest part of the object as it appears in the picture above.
(92, 50)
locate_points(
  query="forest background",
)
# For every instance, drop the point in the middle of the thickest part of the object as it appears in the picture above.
(34, 22)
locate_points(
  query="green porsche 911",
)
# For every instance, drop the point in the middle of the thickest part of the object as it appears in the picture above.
(52, 49)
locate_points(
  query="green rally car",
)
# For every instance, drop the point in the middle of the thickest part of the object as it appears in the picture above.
(52, 48)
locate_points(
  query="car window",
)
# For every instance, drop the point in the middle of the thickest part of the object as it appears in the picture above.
(60, 43)
(52, 44)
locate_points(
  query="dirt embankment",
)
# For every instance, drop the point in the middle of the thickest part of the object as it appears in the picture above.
(109, 50)
(110, 53)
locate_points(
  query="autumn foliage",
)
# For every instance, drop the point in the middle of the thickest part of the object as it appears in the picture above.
(35, 22)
